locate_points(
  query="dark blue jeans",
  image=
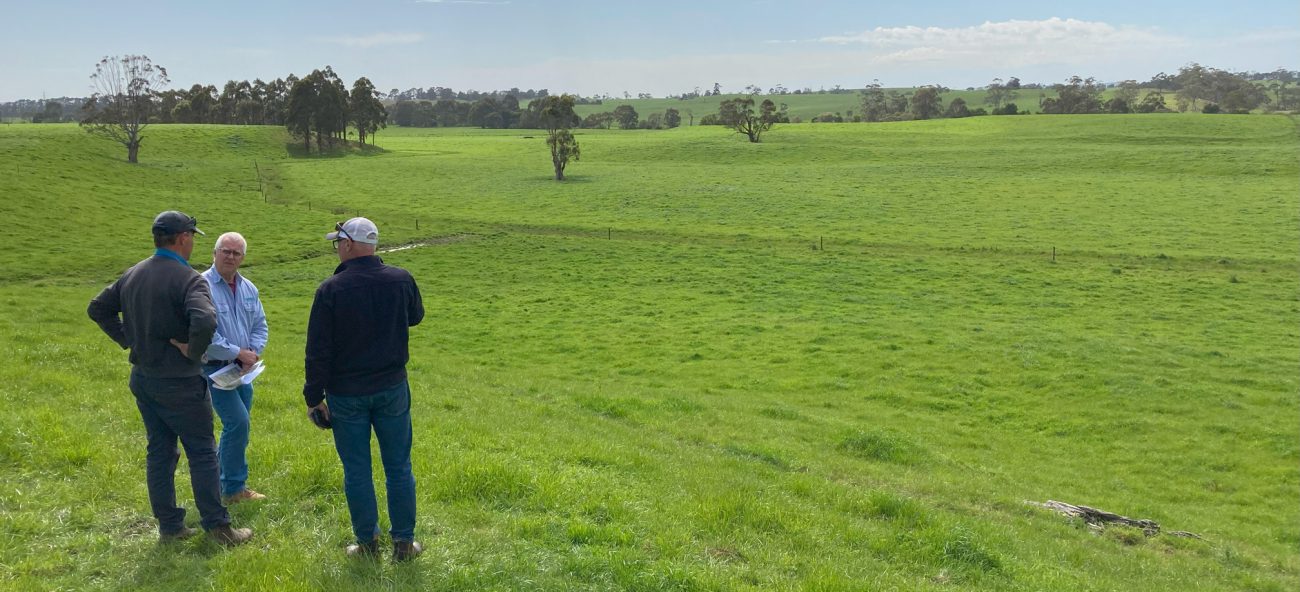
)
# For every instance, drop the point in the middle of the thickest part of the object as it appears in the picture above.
(388, 412)
(178, 408)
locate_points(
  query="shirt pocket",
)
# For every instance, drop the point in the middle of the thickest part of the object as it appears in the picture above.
(250, 305)
(222, 308)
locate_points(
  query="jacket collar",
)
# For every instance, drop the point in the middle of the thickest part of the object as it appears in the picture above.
(170, 254)
(367, 261)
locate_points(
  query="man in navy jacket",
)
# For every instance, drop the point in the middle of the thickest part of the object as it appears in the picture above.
(356, 380)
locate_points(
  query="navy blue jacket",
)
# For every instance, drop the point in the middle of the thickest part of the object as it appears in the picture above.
(358, 330)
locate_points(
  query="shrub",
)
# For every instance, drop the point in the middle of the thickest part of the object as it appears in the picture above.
(1117, 105)
(1008, 109)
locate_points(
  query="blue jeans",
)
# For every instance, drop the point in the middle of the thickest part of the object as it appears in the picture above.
(389, 413)
(234, 408)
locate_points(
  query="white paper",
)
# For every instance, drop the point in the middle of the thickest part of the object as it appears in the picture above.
(252, 373)
(231, 375)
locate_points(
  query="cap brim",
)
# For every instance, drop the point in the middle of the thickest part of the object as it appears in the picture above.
(200, 232)
(332, 236)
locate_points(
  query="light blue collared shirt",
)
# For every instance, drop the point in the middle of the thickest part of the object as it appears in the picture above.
(241, 322)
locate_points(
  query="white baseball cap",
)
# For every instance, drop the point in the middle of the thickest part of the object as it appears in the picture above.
(360, 230)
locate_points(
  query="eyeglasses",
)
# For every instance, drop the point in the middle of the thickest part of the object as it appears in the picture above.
(230, 252)
(338, 226)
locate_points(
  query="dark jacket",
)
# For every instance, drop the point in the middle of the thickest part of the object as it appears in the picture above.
(159, 299)
(358, 330)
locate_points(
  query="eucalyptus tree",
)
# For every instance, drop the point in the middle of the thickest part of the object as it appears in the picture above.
(738, 114)
(367, 111)
(556, 116)
(123, 100)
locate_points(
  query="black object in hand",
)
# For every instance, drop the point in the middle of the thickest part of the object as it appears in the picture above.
(320, 419)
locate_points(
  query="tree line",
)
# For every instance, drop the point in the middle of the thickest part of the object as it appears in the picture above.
(131, 94)
(1193, 88)
(506, 112)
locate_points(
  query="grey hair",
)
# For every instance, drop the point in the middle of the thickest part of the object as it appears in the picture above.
(231, 235)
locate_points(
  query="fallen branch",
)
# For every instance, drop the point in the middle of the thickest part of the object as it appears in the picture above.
(1097, 519)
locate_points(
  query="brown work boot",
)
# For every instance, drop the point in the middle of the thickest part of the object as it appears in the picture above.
(406, 550)
(367, 550)
(244, 495)
(229, 537)
(180, 535)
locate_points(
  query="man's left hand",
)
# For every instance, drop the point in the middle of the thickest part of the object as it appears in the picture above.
(246, 359)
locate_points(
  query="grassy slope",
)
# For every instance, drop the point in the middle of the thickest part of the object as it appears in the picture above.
(705, 402)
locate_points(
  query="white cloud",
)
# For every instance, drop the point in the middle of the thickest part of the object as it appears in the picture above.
(1012, 43)
(378, 39)
(1045, 51)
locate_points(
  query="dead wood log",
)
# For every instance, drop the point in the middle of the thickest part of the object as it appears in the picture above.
(1098, 519)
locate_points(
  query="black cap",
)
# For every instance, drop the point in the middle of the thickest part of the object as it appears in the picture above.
(173, 222)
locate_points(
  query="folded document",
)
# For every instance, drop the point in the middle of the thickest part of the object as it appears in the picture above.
(230, 376)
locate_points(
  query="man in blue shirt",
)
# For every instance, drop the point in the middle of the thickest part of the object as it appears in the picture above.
(356, 380)
(240, 338)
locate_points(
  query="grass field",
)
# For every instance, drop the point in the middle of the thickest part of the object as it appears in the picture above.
(841, 359)
(808, 106)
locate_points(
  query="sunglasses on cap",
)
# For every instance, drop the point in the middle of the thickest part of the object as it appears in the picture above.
(341, 234)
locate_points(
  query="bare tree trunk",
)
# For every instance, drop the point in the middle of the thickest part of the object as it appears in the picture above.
(133, 151)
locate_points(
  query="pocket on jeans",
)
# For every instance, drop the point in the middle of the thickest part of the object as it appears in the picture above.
(400, 403)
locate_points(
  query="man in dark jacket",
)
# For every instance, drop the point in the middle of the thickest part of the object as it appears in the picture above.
(161, 310)
(356, 381)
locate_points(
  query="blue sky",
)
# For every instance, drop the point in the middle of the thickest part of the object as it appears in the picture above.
(662, 47)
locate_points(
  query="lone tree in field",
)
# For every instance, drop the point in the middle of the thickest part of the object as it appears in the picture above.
(122, 101)
(739, 115)
(556, 116)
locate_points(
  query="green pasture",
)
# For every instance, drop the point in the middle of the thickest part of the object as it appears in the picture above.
(808, 106)
(841, 359)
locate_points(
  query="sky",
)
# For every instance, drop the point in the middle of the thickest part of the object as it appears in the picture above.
(662, 47)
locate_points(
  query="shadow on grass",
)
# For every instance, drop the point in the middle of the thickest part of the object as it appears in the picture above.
(297, 150)
(574, 179)
(176, 566)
